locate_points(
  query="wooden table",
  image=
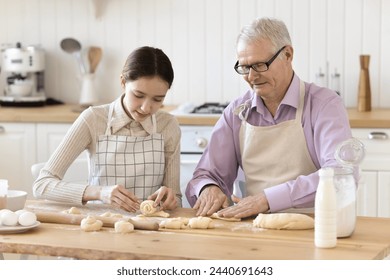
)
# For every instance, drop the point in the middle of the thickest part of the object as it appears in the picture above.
(228, 240)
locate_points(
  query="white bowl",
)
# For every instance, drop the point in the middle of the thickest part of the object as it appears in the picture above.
(16, 200)
(21, 89)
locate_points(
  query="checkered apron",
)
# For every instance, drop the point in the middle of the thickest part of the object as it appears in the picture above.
(137, 163)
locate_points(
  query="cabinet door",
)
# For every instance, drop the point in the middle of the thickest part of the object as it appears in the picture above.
(383, 194)
(17, 155)
(367, 195)
(49, 136)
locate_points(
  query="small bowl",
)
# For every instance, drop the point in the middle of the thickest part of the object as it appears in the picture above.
(16, 200)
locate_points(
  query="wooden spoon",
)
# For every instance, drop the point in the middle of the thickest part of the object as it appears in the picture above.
(94, 57)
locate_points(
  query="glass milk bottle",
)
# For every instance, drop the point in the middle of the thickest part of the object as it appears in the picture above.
(348, 154)
(325, 211)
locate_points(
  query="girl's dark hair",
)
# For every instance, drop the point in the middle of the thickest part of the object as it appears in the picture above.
(148, 62)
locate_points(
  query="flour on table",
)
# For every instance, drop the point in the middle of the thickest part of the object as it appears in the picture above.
(90, 223)
(123, 227)
(201, 223)
(72, 210)
(283, 221)
(148, 210)
(232, 219)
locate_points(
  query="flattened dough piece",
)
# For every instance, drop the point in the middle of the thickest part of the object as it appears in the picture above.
(123, 227)
(284, 221)
(90, 223)
(174, 223)
(148, 210)
(201, 223)
(111, 215)
(72, 210)
(216, 216)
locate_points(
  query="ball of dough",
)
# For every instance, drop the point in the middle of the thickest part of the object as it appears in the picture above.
(91, 224)
(284, 221)
(27, 218)
(72, 210)
(174, 223)
(123, 227)
(201, 223)
(9, 218)
(147, 207)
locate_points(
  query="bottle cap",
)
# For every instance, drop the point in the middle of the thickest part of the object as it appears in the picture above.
(350, 152)
(326, 172)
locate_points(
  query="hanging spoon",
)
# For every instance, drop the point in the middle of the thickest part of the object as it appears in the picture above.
(72, 46)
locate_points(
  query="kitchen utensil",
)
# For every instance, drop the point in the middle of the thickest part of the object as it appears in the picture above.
(94, 57)
(16, 200)
(73, 219)
(72, 46)
(364, 96)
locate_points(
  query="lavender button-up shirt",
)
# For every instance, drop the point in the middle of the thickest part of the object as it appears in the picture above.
(325, 124)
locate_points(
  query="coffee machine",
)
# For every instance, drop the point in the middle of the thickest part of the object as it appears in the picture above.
(23, 68)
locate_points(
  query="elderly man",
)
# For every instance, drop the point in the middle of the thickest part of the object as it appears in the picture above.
(280, 132)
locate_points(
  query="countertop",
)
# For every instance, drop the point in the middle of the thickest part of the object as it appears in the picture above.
(227, 240)
(377, 118)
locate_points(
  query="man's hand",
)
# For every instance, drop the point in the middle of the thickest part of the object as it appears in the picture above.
(210, 200)
(246, 207)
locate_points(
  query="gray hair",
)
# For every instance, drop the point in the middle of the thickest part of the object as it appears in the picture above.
(270, 29)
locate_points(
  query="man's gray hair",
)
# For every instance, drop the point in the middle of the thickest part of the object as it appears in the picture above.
(266, 28)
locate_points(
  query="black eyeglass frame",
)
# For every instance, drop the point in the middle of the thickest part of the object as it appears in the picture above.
(254, 66)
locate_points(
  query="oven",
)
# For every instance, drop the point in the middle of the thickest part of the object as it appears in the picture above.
(194, 139)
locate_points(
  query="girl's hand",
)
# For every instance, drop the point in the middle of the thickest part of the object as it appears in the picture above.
(119, 197)
(164, 198)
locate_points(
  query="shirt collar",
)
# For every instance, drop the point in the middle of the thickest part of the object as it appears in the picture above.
(120, 118)
(291, 97)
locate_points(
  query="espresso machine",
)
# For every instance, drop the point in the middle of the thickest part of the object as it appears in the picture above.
(23, 68)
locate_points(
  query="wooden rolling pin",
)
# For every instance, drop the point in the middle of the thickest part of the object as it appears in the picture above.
(75, 219)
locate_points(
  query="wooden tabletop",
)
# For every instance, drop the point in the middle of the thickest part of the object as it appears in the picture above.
(228, 240)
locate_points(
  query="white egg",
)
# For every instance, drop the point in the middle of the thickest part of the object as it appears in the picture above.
(18, 212)
(9, 218)
(27, 218)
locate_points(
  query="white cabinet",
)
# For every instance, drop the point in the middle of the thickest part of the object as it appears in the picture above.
(22, 145)
(374, 189)
(17, 154)
(49, 136)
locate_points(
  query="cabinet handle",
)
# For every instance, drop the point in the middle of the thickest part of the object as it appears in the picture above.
(2, 129)
(377, 135)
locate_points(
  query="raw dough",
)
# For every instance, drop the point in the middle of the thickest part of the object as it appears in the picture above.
(72, 210)
(215, 216)
(123, 227)
(147, 209)
(284, 221)
(111, 215)
(90, 223)
(174, 223)
(201, 222)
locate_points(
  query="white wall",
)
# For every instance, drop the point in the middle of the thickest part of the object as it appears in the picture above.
(199, 36)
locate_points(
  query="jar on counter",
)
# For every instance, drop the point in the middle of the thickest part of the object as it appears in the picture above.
(348, 154)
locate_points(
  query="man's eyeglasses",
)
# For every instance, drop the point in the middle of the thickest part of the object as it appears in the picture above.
(258, 67)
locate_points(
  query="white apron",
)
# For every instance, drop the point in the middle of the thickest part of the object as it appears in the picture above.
(135, 162)
(274, 154)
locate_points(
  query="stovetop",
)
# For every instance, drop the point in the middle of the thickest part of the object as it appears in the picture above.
(206, 109)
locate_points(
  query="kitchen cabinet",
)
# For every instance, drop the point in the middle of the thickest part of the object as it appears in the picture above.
(22, 145)
(374, 189)
(17, 154)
